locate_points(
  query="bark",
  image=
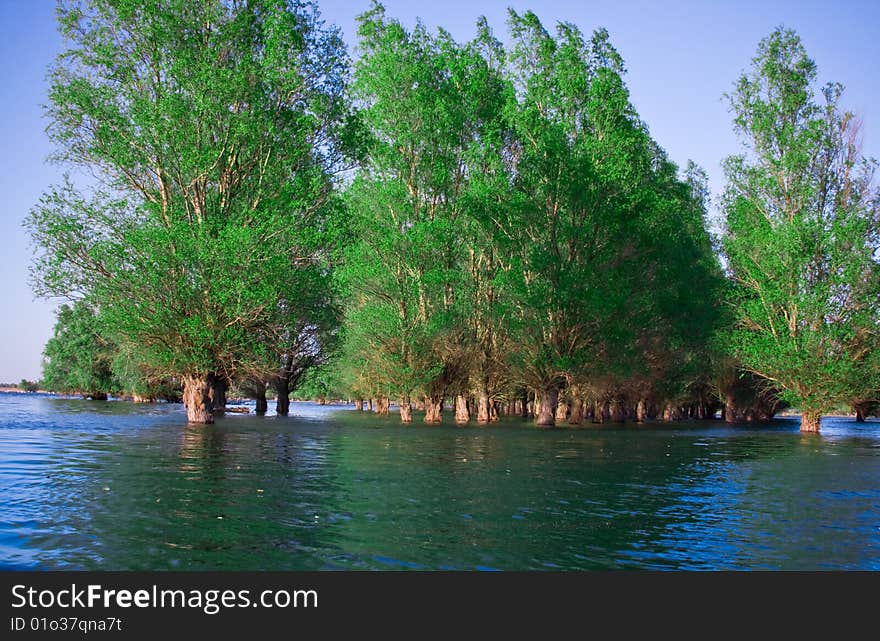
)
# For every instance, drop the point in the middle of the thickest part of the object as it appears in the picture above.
(561, 411)
(493, 411)
(433, 409)
(548, 399)
(600, 410)
(197, 399)
(405, 409)
(524, 405)
(219, 384)
(359, 405)
(461, 410)
(810, 421)
(860, 415)
(97, 396)
(730, 413)
(370, 405)
(577, 412)
(383, 406)
(618, 415)
(282, 404)
(483, 407)
(641, 411)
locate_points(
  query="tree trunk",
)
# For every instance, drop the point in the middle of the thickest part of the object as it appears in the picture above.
(197, 399)
(641, 411)
(617, 412)
(383, 406)
(98, 396)
(405, 409)
(461, 410)
(218, 393)
(730, 413)
(483, 407)
(369, 404)
(433, 409)
(561, 411)
(282, 404)
(860, 414)
(524, 404)
(810, 421)
(548, 399)
(577, 412)
(600, 409)
(359, 405)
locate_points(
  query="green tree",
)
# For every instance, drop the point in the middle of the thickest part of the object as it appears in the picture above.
(802, 235)
(78, 357)
(215, 127)
(429, 105)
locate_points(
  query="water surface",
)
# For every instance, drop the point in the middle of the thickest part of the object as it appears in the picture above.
(113, 485)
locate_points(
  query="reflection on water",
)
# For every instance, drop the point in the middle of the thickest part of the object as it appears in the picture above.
(90, 485)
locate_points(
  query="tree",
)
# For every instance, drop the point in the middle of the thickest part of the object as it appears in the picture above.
(78, 357)
(802, 231)
(428, 105)
(215, 128)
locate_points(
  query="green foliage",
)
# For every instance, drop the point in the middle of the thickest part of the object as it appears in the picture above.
(803, 234)
(78, 357)
(29, 386)
(216, 128)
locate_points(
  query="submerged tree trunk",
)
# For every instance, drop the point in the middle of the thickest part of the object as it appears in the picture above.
(259, 392)
(219, 383)
(197, 399)
(282, 389)
(561, 411)
(483, 407)
(810, 421)
(433, 409)
(618, 415)
(547, 401)
(641, 411)
(524, 404)
(577, 412)
(730, 413)
(359, 405)
(600, 410)
(383, 406)
(405, 407)
(369, 404)
(461, 410)
(97, 396)
(860, 414)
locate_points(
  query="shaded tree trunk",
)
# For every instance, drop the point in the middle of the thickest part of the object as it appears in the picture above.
(483, 407)
(577, 412)
(561, 411)
(547, 402)
(219, 384)
(600, 409)
(524, 404)
(97, 396)
(433, 409)
(282, 390)
(730, 413)
(359, 405)
(461, 410)
(810, 421)
(860, 414)
(197, 399)
(641, 411)
(405, 409)
(259, 391)
(369, 404)
(618, 415)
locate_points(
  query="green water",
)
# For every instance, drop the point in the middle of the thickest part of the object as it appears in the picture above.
(91, 485)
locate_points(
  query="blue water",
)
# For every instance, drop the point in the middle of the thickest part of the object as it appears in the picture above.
(113, 485)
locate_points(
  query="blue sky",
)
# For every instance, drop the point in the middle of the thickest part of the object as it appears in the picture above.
(681, 57)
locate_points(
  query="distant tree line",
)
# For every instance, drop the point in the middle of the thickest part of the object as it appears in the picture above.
(479, 227)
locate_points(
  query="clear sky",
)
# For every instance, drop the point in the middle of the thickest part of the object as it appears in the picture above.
(681, 57)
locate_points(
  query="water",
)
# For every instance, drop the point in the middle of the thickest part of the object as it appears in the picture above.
(91, 485)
